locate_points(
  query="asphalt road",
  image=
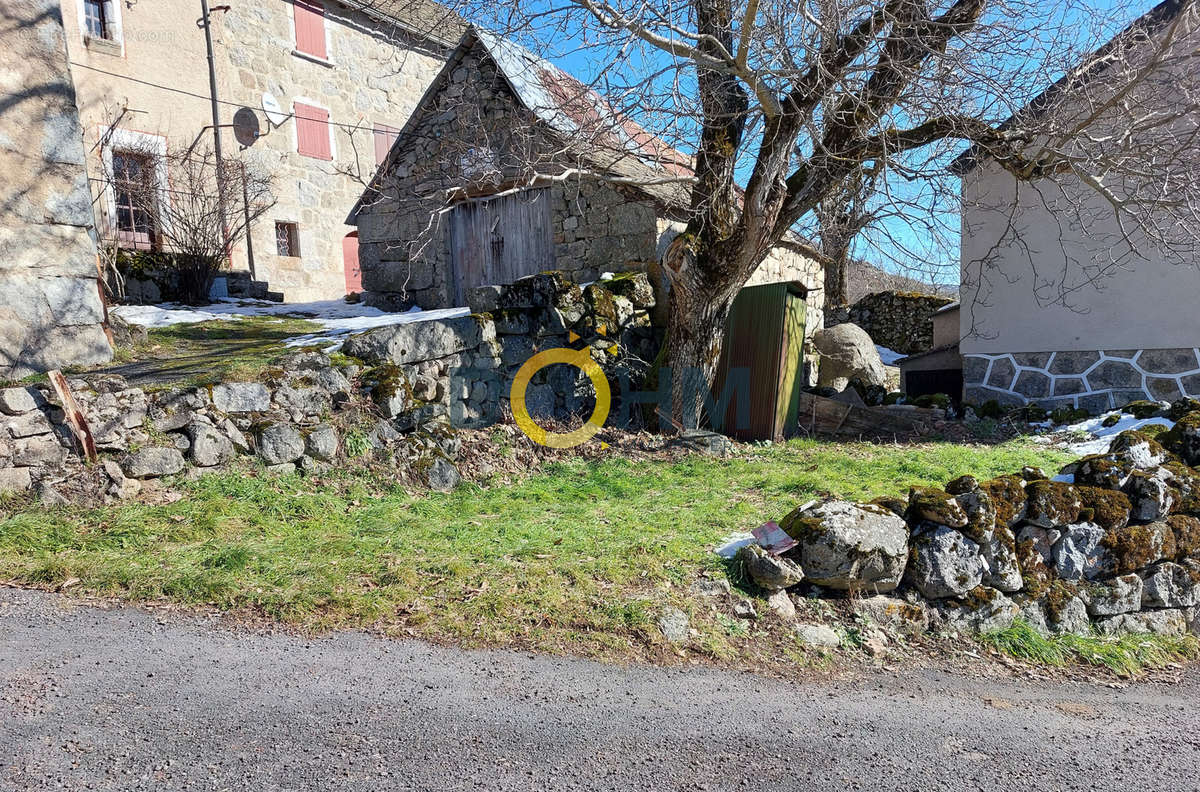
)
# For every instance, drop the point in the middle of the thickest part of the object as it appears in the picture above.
(123, 699)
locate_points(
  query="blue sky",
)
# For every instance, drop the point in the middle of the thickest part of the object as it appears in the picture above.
(896, 242)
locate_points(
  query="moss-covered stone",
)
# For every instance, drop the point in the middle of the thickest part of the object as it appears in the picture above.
(991, 409)
(1181, 407)
(1009, 498)
(1107, 508)
(1069, 415)
(1135, 547)
(936, 506)
(1103, 471)
(1143, 408)
(1186, 530)
(981, 516)
(1052, 503)
(1111, 421)
(938, 400)
(897, 506)
(1139, 448)
(962, 485)
(1183, 439)
(1058, 597)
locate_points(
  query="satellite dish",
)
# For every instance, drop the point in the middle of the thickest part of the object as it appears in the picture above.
(245, 126)
(272, 108)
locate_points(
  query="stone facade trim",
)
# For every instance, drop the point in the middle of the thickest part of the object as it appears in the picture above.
(1094, 380)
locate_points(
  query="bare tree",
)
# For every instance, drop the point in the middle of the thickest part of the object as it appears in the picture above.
(841, 218)
(784, 107)
(180, 203)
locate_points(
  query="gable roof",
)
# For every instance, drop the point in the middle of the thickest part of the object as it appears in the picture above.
(1148, 24)
(603, 137)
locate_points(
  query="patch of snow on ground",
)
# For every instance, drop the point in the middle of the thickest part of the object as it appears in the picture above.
(337, 318)
(1099, 436)
(888, 357)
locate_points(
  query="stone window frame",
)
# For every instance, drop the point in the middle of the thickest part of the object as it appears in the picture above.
(308, 56)
(295, 248)
(142, 143)
(115, 43)
(313, 103)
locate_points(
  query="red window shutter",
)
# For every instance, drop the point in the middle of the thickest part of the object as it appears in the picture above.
(385, 136)
(312, 132)
(310, 28)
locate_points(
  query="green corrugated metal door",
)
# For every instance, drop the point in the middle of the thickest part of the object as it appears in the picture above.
(764, 342)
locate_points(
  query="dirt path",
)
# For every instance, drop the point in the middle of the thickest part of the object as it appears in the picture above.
(123, 699)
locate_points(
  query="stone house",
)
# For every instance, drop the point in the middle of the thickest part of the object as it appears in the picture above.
(51, 314)
(1132, 333)
(341, 78)
(509, 167)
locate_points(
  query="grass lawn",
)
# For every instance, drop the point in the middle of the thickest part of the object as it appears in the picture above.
(580, 555)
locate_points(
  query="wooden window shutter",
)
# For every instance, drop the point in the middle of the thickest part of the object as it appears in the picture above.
(312, 132)
(310, 28)
(385, 136)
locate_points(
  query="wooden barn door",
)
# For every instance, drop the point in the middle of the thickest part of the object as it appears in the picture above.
(499, 240)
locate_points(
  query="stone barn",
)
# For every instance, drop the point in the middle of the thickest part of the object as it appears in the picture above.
(509, 167)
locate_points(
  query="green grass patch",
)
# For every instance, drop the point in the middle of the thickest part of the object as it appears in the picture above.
(580, 554)
(219, 350)
(1125, 655)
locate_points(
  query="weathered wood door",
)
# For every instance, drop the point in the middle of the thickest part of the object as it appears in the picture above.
(499, 240)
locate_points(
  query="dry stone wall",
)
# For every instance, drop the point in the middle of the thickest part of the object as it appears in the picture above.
(464, 368)
(415, 385)
(1111, 544)
(900, 321)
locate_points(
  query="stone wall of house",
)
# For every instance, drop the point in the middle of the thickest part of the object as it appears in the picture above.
(51, 313)
(413, 386)
(1095, 381)
(1112, 544)
(476, 134)
(375, 74)
(900, 321)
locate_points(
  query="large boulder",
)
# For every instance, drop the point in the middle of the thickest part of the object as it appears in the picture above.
(849, 546)
(848, 353)
(944, 562)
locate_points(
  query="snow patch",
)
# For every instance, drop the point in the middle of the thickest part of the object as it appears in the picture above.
(888, 356)
(1100, 436)
(336, 318)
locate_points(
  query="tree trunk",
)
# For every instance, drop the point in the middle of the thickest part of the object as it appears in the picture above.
(835, 275)
(695, 335)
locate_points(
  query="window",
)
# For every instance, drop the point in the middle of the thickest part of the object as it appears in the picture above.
(96, 21)
(134, 195)
(385, 136)
(312, 132)
(310, 28)
(287, 239)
